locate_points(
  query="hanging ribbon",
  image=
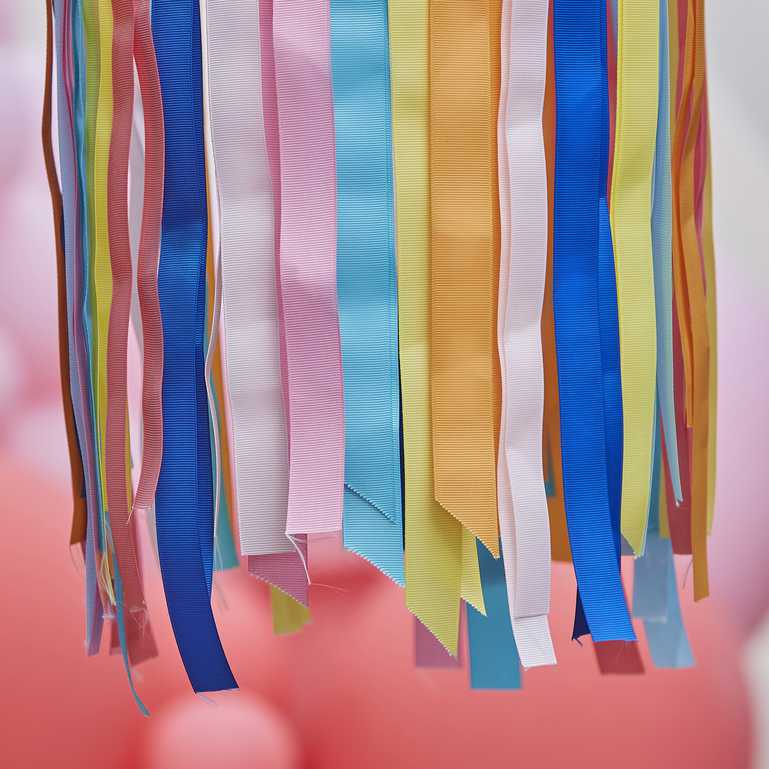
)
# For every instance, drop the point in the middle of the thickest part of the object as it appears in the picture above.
(308, 266)
(523, 515)
(141, 643)
(366, 283)
(184, 494)
(579, 33)
(250, 320)
(636, 128)
(464, 374)
(494, 662)
(433, 538)
(148, 254)
(662, 246)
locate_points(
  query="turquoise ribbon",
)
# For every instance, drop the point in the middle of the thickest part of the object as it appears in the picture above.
(662, 248)
(494, 662)
(655, 593)
(366, 283)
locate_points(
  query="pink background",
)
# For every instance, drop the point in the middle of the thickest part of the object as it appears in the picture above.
(345, 692)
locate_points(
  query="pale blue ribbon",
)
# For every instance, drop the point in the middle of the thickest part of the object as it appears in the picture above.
(366, 283)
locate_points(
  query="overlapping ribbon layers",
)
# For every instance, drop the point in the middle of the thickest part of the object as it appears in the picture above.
(436, 276)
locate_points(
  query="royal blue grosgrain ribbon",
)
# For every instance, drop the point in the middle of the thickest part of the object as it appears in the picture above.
(579, 228)
(494, 662)
(367, 283)
(184, 501)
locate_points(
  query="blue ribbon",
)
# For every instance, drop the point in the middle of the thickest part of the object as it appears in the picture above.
(494, 662)
(366, 283)
(655, 593)
(581, 245)
(184, 504)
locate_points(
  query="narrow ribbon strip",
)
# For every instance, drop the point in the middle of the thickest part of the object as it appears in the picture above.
(523, 514)
(631, 202)
(580, 86)
(250, 315)
(141, 643)
(464, 367)
(308, 266)
(184, 495)
(367, 283)
(433, 538)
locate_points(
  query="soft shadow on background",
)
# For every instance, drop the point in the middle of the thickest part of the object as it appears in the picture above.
(345, 694)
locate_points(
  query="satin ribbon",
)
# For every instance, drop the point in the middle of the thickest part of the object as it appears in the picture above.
(367, 283)
(250, 315)
(464, 222)
(579, 34)
(494, 662)
(308, 266)
(523, 515)
(631, 200)
(662, 247)
(140, 639)
(433, 538)
(184, 495)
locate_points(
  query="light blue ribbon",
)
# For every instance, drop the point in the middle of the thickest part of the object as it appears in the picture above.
(366, 283)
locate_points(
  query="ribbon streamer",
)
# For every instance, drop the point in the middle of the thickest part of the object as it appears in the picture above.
(367, 283)
(579, 32)
(308, 266)
(184, 504)
(523, 514)
(464, 374)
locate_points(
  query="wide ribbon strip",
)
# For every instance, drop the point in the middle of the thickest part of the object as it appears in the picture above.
(308, 266)
(464, 367)
(580, 86)
(250, 315)
(523, 514)
(433, 537)
(631, 213)
(184, 495)
(367, 283)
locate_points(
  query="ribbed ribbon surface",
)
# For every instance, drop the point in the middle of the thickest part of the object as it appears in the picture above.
(464, 367)
(250, 313)
(579, 33)
(367, 283)
(433, 537)
(308, 266)
(185, 524)
(523, 514)
(631, 213)
(141, 644)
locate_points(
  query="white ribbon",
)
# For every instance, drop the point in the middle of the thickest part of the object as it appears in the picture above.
(250, 320)
(523, 516)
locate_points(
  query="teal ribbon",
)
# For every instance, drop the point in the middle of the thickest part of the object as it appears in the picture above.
(366, 283)
(494, 662)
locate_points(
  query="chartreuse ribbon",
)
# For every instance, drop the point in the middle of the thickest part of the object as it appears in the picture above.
(367, 283)
(631, 214)
(579, 228)
(185, 520)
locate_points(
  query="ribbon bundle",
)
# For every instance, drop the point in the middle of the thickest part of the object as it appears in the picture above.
(434, 274)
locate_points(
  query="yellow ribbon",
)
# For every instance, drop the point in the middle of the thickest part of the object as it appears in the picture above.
(288, 615)
(636, 127)
(464, 228)
(433, 539)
